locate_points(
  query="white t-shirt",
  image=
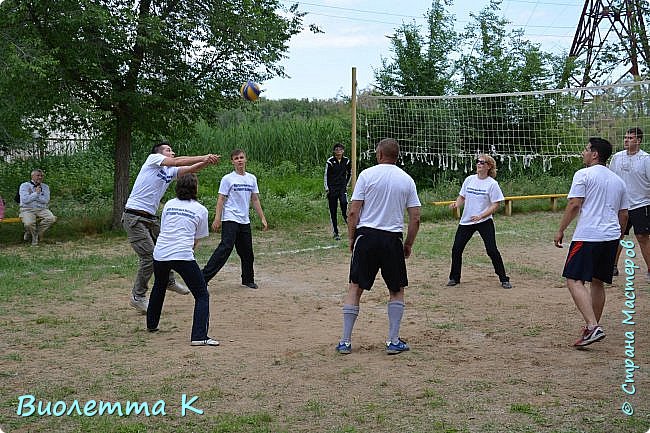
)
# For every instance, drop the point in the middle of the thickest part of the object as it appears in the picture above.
(479, 194)
(182, 222)
(635, 172)
(151, 184)
(238, 189)
(386, 191)
(604, 195)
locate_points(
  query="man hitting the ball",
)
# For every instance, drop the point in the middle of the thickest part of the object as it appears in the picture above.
(139, 218)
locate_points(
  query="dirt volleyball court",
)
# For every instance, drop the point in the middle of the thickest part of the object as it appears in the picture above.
(482, 359)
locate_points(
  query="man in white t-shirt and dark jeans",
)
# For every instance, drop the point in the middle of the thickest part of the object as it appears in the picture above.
(139, 218)
(237, 191)
(633, 166)
(375, 226)
(598, 195)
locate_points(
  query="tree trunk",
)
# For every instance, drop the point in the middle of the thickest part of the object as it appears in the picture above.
(122, 157)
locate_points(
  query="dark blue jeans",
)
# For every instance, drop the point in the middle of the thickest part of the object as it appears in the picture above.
(463, 234)
(191, 274)
(240, 237)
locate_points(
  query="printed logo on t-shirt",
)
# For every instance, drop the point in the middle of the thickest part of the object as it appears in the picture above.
(181, 212)
(242, 187)
(476, 191)
(164, 176)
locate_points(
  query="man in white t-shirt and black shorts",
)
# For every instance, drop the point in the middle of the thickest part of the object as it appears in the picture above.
(139, 218)
(598, 195)
(633, 166)
(375, 226)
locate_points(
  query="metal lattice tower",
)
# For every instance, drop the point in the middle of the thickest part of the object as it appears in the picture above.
(609, 27)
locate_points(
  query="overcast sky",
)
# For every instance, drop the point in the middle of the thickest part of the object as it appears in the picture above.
(356, 35)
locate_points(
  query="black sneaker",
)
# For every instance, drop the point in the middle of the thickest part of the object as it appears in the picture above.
(506, 284)
(452, 282)
(250, 285)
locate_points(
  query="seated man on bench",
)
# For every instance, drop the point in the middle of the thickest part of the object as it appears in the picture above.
(34, 200)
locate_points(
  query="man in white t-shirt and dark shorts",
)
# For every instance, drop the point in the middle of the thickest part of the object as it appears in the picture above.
(375, 226)
(633, 166)
(139, 218)
(599, 196)
(237, 191)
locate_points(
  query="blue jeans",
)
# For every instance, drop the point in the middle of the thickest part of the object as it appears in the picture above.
(463, 235)
(240, 237)
(191, 274)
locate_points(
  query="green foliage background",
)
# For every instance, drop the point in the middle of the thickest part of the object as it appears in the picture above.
(287, 143)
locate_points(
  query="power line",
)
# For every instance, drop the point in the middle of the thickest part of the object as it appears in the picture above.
(397, 24)
(421, 19)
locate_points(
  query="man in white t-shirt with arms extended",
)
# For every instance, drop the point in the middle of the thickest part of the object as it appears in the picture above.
(375, 226)
(633, 166)
(598, 195)
(139, 218)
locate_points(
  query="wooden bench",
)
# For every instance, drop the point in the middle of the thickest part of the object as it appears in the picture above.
(508, 202)
(11, 220)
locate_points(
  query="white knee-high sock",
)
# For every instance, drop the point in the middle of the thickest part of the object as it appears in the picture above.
(395, 313)
(350, 313)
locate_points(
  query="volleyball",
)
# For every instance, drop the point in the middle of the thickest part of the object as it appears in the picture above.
(250, 90)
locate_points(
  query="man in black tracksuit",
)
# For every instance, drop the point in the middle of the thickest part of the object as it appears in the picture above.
(338, 171)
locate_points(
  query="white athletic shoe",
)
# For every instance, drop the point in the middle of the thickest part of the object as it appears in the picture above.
(179, 288)
(139, 304)
(208, 342)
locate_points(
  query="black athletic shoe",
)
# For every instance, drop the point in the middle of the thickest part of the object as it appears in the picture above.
(250, 285)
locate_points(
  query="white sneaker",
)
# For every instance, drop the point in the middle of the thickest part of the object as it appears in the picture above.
(208, 342)
(179, 288)
(141, 305)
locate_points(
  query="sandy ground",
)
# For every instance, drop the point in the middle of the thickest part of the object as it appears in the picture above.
(483, 358)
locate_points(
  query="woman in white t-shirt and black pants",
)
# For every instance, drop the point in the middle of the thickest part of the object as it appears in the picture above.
(184, 221)
(481, 196)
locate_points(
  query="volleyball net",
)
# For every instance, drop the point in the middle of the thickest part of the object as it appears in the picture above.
(515, 128)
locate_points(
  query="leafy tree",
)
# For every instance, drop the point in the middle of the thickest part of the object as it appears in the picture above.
(495, 60)
(421, 65)
(121, 67)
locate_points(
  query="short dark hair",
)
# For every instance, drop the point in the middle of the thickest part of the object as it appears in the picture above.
(187, 187)
(156, 147)
(603, 147)
(236, 152)
(637, 132)
(389, 147)
(338, 145)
